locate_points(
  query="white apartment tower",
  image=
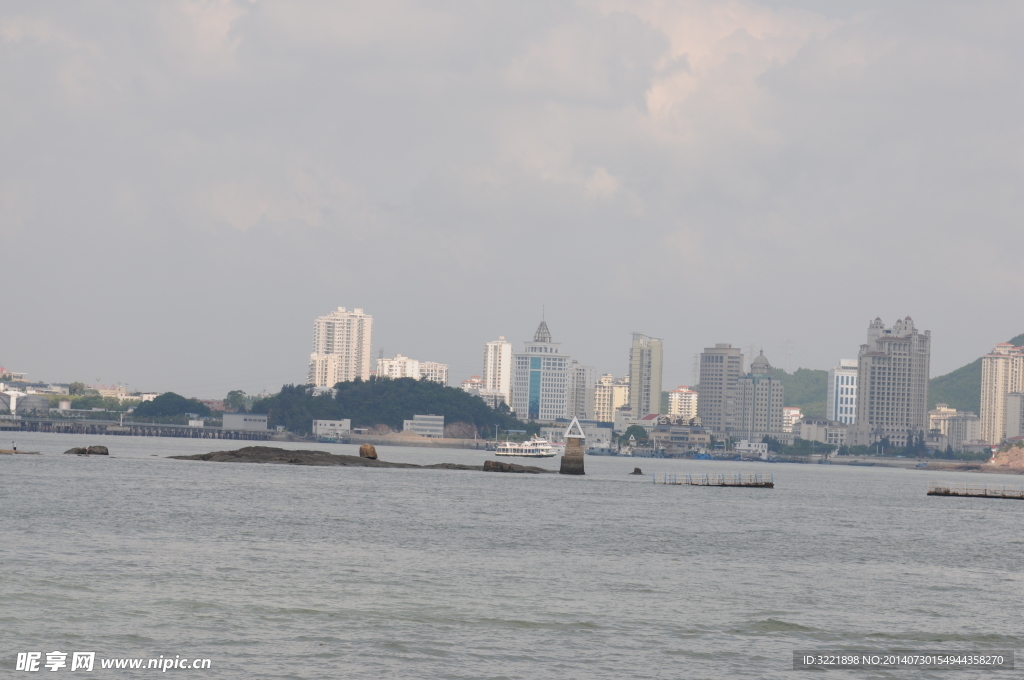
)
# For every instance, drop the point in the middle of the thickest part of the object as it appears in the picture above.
(497, 377)
(721, 367)
(581, 391)
(842, 392)
(609, 394)
(645, 358)
(892, 384)
(759, 402)
(1002, 372)
(682, 402)
(342, 344)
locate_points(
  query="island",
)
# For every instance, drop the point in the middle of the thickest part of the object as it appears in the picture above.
(270, 454)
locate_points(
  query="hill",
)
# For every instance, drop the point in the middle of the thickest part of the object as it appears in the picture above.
(383, 402)
(961, 389)
(806, 388)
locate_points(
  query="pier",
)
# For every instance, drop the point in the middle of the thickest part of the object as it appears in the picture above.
(976, 491)
(100, 427)
(757, 481)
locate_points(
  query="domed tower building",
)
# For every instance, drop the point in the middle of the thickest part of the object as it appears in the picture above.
(759, 404)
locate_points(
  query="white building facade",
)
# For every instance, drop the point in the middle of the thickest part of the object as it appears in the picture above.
(581, 391)
(609, 395)
(645, 367)
(682, 402)
(497, 376)
(892, 384)
(342, 345)
(842, 392)
(426, 425)
(404, 367)
(540, 379)
(1002, 373)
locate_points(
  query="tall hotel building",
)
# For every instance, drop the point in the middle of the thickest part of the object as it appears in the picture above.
(497, 377)
(721, 368)
(842, 392)
(546, 384)
(759, 399)
(645, 358)
(892, 384)
(342, 344)
(1002, 372)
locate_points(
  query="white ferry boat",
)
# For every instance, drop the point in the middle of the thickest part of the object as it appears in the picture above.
(534, 448)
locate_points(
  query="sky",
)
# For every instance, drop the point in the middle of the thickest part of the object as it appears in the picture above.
(186, 185)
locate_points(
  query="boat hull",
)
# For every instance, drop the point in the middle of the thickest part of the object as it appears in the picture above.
(526, 455)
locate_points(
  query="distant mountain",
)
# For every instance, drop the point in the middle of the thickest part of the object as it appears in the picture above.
(961, 389)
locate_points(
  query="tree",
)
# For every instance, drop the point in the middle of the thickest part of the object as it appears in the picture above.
(76, 388)
(636, 431)
(383, 401)
(171, 404)
(235, 401)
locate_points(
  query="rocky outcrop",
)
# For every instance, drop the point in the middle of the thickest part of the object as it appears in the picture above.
(269, 454)
(498, 466)
(636, 471)
(1011, 456)
(90, 451)
(368, 451)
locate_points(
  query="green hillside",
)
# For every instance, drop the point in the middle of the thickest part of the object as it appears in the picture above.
(806, 388)
(961, 389)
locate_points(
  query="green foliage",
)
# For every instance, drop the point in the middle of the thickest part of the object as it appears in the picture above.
(384, 402)
(76, 388)
(961, 389)
(637, 431)
(806, 388)
(235, 401)
(90, 401)
(170, 404)
(800, 447)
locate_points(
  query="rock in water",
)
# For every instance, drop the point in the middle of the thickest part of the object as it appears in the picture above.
(572, 461)
(78, 450)
(636, 471)
(498, 466)
(368, 451)
(98, 451)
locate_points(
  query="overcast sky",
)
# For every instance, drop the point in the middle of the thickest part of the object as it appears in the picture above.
(185, 186)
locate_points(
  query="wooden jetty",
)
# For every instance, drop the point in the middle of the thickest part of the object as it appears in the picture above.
(757, 481)
(975, 491)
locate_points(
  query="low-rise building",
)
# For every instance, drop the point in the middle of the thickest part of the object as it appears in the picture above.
(331, 429)
(680, 439)
(791, 415)
(425, 425)
(473, 384)
(244, 421)
(404, 367)
(821, 430)
(596, 433)
(958, 427)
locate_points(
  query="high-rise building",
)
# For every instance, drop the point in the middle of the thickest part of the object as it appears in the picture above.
(1014, 415)
(581, 391)
(609, 395)
(682, 402)
(645, 360)
(842, 392)
(759, 402)
(1002, 372)
(404, 367)
(721, 367)
(342, 344)
(540, 378)
(497, 376)
(892, 384)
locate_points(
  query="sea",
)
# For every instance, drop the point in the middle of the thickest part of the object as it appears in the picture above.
(284, 571)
